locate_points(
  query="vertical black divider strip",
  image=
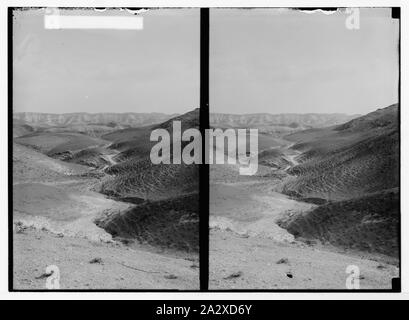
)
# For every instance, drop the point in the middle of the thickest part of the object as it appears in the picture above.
(204, 167)
(10, 143)
(397, 286)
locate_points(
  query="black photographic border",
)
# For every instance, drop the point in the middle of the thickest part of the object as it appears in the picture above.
(203, 170)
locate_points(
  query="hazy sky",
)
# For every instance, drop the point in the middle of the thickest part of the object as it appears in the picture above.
(265, 60)
(152, 70)
(261, 60)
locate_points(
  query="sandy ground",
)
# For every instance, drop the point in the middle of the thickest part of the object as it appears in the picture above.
(248, 250)
(63, 209)
(251, 208)
(238, 262)
(246, 244)
(118, 266)
(54, 217)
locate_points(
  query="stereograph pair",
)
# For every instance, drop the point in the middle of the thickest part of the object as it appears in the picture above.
(205, 149)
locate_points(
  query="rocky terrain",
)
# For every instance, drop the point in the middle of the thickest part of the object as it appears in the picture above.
(74, 191)
(322, 199)
(352, 171)
(326, 195)
(355, 158)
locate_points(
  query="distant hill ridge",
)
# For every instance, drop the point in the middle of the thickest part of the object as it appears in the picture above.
(313, 120)
(128, 118)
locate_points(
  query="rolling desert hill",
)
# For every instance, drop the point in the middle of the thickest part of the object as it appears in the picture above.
(90, 129)
(171, 223)
(91, 157)
(273, 127)
(352, 159)
(322, 199)
(369, 223)
(54, 144)
(164, 194)
(135, 142)
(136, 176)
(31, 165)
(62, 162)
(131, 142)
(75, 188)
(352, 171)
(55, 195)
(55, 215)
(21, 128)
(273, 158)
(140, 180)
(326, 179)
